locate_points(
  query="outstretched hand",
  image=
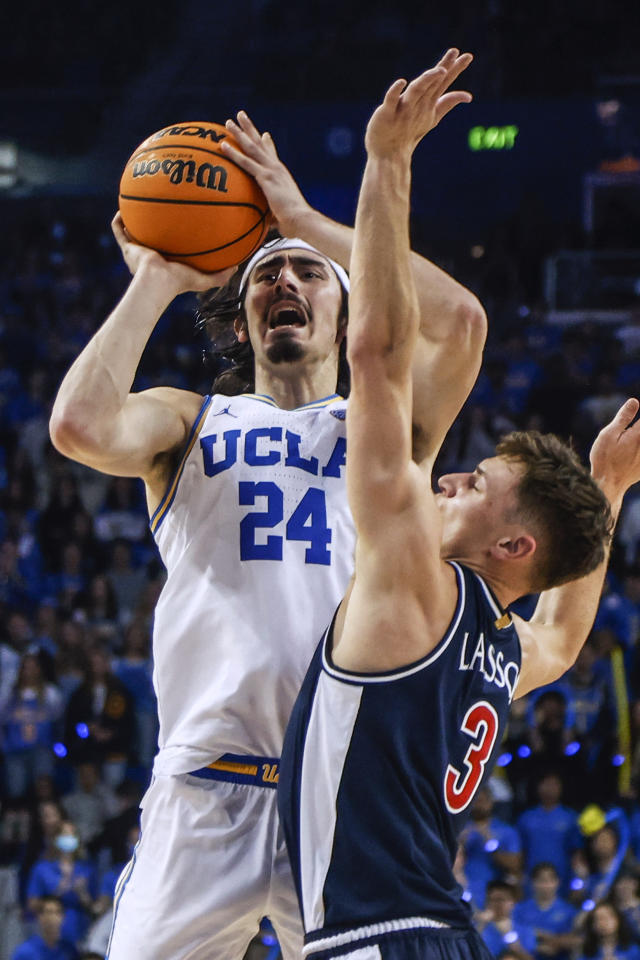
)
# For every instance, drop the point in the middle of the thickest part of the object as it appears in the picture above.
(615, 454)
(184, 278)
(259, 158)
(409, 111)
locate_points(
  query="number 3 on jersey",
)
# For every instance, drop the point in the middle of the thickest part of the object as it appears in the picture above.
(308, 523)
(481, 723)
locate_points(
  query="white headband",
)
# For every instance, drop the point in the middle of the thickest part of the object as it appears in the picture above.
(287, 243)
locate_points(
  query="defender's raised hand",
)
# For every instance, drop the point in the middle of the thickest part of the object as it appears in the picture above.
(409, 111)
(615, 454)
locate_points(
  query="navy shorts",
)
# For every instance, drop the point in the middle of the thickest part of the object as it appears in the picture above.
(452, 943)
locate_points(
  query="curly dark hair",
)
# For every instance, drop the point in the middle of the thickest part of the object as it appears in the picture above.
(559, 498)
(218, 309)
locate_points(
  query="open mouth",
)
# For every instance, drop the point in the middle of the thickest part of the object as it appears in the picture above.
(289, 316)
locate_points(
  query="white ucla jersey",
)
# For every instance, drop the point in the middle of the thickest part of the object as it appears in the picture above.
(258, 542)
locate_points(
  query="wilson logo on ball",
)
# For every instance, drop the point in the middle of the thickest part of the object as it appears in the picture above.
(203, 174)
(180, 195)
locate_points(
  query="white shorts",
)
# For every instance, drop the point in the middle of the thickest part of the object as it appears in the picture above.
(210, 863)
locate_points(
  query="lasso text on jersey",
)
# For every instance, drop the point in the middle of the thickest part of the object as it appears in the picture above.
(490, 663)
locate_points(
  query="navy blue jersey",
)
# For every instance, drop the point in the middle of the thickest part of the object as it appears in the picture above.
(379, 770)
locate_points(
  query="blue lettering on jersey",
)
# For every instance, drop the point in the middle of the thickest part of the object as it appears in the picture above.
(293, 455)
(490, 663)
(251, 455)
(337, 459)
(211, 466)
(263, 448)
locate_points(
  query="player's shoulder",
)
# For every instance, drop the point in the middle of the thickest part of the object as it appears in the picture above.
(333, 405)
(185, 403)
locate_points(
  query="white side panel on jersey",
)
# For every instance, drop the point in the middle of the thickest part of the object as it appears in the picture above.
(333, 716)
(364, 953)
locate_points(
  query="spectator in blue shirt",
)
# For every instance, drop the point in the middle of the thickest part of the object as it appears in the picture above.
(68, 877)
(549, 915)
(29, 721)
(607, 936)
(48, 943)
(99, 932)
(492, 848)
(498, 927)
(590, 692)
(626, 899)
(619, 611)
(549, 831)
(606, 851)
(135, 670)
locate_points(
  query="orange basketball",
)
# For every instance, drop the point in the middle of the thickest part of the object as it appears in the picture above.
(181, 196)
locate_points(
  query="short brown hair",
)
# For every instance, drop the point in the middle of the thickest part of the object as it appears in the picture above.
(568, 511)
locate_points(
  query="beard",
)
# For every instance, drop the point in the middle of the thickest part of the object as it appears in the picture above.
(284, 351)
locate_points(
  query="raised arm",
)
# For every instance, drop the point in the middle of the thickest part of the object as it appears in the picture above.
(95, 418)
(564, 616)
(403, 594)
(449, 314)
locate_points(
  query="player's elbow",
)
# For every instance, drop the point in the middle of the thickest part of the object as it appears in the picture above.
(471, 325)
(63, 434)
(71, 432)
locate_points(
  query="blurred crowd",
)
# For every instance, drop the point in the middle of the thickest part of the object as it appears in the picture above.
(551, 860)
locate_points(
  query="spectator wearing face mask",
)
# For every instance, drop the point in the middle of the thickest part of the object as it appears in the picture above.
(68, 877)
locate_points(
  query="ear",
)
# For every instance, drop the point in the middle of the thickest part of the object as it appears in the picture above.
(514, 548)
(241, 331)
(342, 328)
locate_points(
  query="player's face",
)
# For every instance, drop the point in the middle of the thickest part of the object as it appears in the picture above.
(474, 507)
(292, 307)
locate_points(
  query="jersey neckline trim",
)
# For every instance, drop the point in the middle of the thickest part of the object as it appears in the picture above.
(399, 672)
(161, 510)
(313, 404)
(493, 601)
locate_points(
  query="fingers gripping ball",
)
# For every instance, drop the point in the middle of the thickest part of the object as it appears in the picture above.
(181, 196)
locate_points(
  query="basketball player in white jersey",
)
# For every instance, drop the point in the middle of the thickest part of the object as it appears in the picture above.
(248, 507)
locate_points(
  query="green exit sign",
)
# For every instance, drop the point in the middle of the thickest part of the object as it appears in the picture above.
(492, 138)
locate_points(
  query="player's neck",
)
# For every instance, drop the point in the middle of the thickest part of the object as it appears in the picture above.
(296, 390)
(505, 589)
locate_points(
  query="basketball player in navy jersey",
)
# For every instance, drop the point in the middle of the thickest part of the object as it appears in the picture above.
(402, 711)
(248, 507)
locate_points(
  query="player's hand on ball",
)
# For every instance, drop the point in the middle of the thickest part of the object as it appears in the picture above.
(260, 159)
(184, 278)
(410, 110)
